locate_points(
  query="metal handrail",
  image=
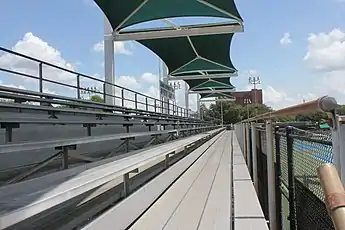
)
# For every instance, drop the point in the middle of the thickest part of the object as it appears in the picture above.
(41, 79)
(325, 104)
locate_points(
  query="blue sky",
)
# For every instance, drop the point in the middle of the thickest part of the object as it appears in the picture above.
(287, 74)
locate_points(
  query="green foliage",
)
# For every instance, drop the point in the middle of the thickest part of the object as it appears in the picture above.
(341, 110)
(233, 113)
(97, 98)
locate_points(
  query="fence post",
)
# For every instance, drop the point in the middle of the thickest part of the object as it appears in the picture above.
(247, 143)
(339, 147)
(104, 92)
(255, 157)
(40, 75)
(270, 177)
(278, 179)
(243, 142)
(136, 100)
(146, 103)
(122, 98)
(291, 179)
(78, 86)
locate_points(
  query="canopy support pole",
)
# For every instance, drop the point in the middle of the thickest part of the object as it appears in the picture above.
(198, 105)
(109, 63)
(186, 97)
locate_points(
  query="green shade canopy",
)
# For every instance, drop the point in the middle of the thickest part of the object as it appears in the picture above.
(124, 13)
(217, 94)
(204, 84)
(190, 55)
(186, 55)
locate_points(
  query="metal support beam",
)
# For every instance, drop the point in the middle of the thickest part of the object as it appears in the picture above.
(182, 31)
(194, 77)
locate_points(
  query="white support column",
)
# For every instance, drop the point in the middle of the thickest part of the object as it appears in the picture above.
(165, 80)
(186, 98)
(109, 62)
(271, 177)
(198, 105)
(255, 156)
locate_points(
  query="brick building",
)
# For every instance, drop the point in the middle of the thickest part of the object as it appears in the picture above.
(249, 97)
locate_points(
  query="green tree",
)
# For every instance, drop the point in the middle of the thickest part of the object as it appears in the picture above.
(232, 112)
(97, 98)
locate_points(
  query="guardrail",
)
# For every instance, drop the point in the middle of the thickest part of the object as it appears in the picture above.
(283, 162)
(136, 101)
(37, 196)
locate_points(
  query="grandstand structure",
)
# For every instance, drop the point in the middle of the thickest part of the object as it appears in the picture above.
(135, 161)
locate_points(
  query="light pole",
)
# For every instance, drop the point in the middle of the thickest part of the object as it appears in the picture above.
(254, 81)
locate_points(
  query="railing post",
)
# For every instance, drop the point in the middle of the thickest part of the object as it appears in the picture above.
(104, 92)
(270, 177)
(40, 75)
(122, 98)
(339, 147)
(243, 139)
(155, 106)
(255, 156)
(278, 179)
(78, 86)
(147, 105)
(291, 179)
(136, 100)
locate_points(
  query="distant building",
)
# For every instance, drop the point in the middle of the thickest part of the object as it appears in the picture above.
(253, 96)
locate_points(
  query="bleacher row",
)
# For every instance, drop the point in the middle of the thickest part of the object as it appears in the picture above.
(209, 187)
(33, 203)
(185, 171)
(35, 136)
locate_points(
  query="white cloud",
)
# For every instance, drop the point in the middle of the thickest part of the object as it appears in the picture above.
(129, 82)
(272, 95)
(326, 52)
(119, 47)
(35, 47)
(278, 99)
(326, 56)
(12, 85)
(150, 78)
(286, 39)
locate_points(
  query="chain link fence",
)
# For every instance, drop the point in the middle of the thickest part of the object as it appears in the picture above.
(297, 154)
